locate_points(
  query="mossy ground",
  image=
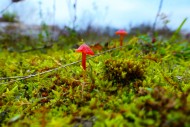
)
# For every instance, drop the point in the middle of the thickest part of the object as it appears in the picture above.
(142, 84)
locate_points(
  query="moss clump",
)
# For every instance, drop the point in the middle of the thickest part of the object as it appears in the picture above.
(165, 108)
(124, 71)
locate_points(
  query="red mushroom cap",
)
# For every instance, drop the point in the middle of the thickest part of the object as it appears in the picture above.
(121, 32)
(85, 49)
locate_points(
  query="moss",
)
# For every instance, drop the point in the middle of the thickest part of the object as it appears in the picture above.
(122, 87)
(124, 71)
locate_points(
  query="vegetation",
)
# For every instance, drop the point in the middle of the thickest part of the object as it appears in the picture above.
(142, 83)
(9, 17)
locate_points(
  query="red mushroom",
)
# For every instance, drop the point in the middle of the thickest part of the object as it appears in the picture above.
(122, 33)
(85, 49)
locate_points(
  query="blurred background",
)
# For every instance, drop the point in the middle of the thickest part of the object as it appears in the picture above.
(94, 21)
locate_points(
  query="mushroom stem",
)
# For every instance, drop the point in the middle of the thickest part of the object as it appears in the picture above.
(84, 71)
(84, 61)
(121, 40)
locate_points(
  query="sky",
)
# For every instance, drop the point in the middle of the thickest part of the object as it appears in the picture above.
(114, 13)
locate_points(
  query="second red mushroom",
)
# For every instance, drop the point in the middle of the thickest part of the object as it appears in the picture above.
(122, 33)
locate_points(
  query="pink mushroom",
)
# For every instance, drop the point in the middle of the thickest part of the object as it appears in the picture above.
(85, 49)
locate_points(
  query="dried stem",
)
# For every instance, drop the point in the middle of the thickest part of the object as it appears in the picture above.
(155, 21)
(2, 11)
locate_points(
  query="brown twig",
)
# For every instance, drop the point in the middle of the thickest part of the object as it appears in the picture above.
(18, 78)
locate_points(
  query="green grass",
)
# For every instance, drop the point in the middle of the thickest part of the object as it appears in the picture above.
(142, 84)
